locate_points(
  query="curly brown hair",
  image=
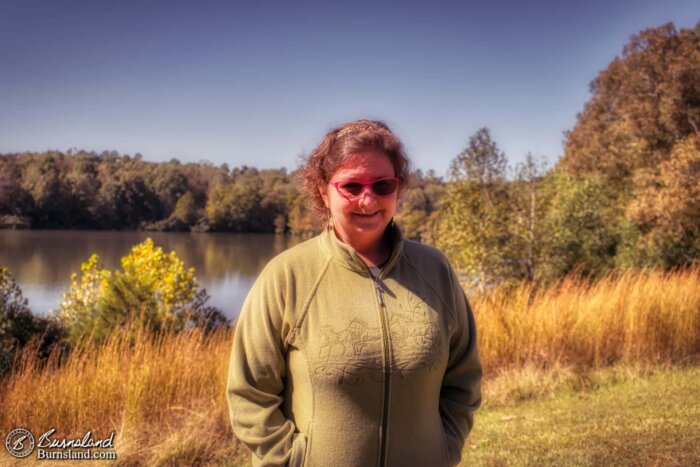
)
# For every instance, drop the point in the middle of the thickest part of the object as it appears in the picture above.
(339, 145)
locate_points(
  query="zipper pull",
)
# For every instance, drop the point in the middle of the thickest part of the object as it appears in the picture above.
(379, 292)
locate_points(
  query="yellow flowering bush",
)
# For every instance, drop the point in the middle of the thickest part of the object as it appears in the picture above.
(80, 305)
(153, 286)
(159, 280)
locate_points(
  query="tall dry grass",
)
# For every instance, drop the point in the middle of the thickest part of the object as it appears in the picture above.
(636, 316)
(164, 395)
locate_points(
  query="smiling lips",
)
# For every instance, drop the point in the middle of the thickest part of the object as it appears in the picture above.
(365, 215)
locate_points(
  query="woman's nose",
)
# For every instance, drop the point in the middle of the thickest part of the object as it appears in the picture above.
(367, 197)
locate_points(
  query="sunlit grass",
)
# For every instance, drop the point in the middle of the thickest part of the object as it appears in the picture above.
(623, 416)
(164, 395)
(646, 316)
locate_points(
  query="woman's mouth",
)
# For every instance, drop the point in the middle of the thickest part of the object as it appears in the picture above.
(366, 215)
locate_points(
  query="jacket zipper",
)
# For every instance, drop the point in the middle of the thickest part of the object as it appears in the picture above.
(387, 366)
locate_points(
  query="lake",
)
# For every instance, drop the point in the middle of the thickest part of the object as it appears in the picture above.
(226, 264)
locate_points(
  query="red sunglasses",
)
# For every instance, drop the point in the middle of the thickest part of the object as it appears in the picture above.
(351, 189)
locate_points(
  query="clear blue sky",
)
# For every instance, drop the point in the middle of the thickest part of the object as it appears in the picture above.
(260, 82)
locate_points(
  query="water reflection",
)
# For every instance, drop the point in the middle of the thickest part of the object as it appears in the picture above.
(226, 264)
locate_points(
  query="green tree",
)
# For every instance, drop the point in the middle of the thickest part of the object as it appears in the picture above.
(82, 188)
(582, 226)
(418, 203)
(472, 231)
(186, 209)
(41, 178)
(169, 184)
(247, 202)
(127, 202)
(303, 221)
(528, 207)
(15, 202)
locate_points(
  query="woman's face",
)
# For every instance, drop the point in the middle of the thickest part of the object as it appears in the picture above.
(360, 221)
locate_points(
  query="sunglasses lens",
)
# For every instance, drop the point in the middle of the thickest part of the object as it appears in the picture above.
(384, 187)
(351, 188)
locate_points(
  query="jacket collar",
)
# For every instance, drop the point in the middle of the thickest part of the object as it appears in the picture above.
(347, 256)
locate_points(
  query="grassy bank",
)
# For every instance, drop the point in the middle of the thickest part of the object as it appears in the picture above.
(164, 395)
(622, 418)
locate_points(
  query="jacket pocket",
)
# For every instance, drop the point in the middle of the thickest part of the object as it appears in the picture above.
(299, 443)
(308, 444)
(446, 445)
(300, 449)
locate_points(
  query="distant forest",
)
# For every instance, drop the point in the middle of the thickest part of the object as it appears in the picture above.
(85, 190)
(625, 193)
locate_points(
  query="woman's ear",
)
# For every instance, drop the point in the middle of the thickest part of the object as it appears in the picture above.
(323, 189)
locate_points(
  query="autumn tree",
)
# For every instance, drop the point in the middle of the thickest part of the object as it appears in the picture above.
(645, 102)
(637, 138)
(666, 205)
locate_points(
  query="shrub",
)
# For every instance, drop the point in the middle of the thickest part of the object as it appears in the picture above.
(153, 288)
(18, 326)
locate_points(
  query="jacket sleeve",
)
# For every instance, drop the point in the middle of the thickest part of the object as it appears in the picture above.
(460, 394)
(256, 378)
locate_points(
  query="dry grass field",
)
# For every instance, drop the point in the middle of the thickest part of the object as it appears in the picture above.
(164, 397)
(645, 316)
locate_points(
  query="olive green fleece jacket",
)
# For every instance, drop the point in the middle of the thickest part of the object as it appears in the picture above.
(333, 367)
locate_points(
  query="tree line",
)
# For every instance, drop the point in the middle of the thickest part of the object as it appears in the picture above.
(85, 190)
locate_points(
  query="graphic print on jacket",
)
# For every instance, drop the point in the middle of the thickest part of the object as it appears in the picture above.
(353, 354)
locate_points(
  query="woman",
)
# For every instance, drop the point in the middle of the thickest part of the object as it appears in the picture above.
(356, 347)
